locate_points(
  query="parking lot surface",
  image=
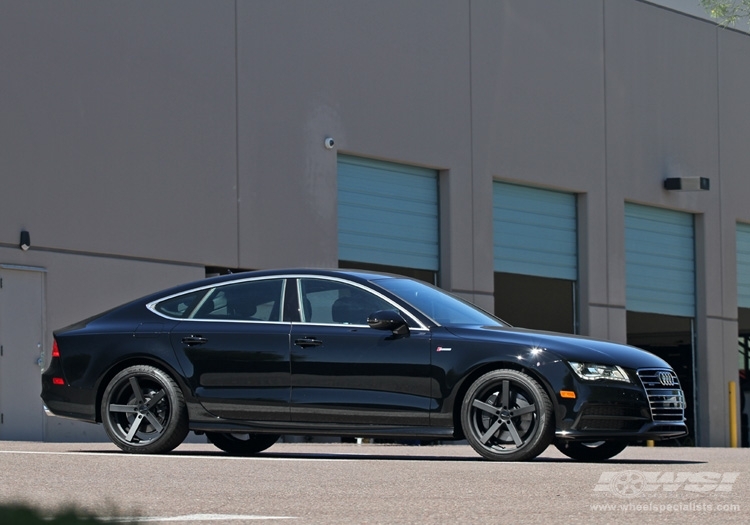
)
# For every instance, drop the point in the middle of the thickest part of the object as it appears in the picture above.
(303, 484)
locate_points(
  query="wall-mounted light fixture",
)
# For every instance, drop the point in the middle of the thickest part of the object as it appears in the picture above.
(25, 243)
(687, 184)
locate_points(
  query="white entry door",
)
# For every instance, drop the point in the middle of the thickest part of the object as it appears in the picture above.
(21, 353)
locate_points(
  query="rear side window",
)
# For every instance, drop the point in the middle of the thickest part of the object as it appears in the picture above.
(180, 306)
(245, 301)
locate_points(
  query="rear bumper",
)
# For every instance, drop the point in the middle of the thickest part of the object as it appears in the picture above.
(67, 401)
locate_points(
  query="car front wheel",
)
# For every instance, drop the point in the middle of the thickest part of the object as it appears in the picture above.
(242, 444)
(590, 451)
(507, 416)
(143, 411)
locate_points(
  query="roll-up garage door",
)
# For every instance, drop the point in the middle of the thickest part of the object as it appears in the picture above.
(387, 213)
(660, 261)
(534, 231)
(743, 265)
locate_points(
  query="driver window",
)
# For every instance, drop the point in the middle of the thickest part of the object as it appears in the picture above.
(338, 303)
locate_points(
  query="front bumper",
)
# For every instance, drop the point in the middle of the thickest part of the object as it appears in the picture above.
(651, 431)
(651, 407)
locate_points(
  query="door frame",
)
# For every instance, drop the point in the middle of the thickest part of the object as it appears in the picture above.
(43, 336)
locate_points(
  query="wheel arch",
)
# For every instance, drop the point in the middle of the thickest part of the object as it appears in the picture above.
(106, 378)
(475, 374)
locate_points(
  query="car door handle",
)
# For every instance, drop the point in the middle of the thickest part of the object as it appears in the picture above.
(304, 342)
(193, 340)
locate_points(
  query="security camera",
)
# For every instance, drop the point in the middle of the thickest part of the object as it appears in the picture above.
(328, 143)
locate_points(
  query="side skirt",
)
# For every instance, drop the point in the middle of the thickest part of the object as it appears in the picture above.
(281, 427)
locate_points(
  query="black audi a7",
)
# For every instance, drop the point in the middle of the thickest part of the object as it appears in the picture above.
(248, 357)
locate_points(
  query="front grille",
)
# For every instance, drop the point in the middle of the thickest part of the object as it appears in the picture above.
(613, 411)
(612, 417)
(665, 397)
(609, 424)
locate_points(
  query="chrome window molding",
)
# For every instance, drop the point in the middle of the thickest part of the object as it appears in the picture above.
(420, 326)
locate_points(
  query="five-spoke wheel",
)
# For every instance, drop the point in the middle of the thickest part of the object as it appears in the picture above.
(143, 411)
(506, 415)
(242, 444)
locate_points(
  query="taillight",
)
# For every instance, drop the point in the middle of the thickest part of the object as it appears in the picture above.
(59, 381)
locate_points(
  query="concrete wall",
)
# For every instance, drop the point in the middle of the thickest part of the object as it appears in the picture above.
(661, 122)
(119, 128)
(141, 141)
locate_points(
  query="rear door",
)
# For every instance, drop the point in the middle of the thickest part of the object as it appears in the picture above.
(234, 349)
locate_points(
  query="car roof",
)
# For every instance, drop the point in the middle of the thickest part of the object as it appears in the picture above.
(353, 274)
(361, 276)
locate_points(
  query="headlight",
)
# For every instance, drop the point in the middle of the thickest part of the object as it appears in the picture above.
(593, 372)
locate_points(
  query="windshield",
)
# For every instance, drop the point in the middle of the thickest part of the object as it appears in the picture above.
(438, 305)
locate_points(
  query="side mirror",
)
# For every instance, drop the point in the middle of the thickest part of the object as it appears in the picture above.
(388, 320)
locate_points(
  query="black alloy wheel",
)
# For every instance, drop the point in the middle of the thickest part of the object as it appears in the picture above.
(590, 451)
(242, 444)
(507, 416)
(144, 411)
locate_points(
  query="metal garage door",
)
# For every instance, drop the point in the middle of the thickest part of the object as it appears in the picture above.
(387, 213)
(660, 261)
(743, 265)
(534, 231)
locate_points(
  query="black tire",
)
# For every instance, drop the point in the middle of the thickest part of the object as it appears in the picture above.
(507, 416)
(242, 444)
(590, 451)
(143, 411)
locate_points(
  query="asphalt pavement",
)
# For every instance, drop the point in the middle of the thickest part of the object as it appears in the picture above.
(303, 484)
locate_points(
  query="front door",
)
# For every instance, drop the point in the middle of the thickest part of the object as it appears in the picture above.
(345, 372)
(21, 356)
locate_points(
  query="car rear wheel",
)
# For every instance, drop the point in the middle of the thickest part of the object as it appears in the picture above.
(242, 444)
(590, 451)
(507, 416)
(143, 411)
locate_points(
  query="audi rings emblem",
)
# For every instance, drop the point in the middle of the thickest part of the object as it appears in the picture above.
(666, 378)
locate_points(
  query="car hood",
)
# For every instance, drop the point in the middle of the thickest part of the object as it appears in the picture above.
(567, 347)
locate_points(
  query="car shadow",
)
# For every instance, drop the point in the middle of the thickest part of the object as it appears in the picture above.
(615, 461)
(321, 456)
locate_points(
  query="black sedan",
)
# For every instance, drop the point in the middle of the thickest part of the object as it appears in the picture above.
(248, 357)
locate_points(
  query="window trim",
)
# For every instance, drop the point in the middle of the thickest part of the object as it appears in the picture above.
(413, 321)
(209, 290)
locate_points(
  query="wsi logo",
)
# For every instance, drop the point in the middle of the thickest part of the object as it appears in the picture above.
(632, 483)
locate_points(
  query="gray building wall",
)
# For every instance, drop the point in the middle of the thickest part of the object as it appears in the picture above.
(142, 141)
